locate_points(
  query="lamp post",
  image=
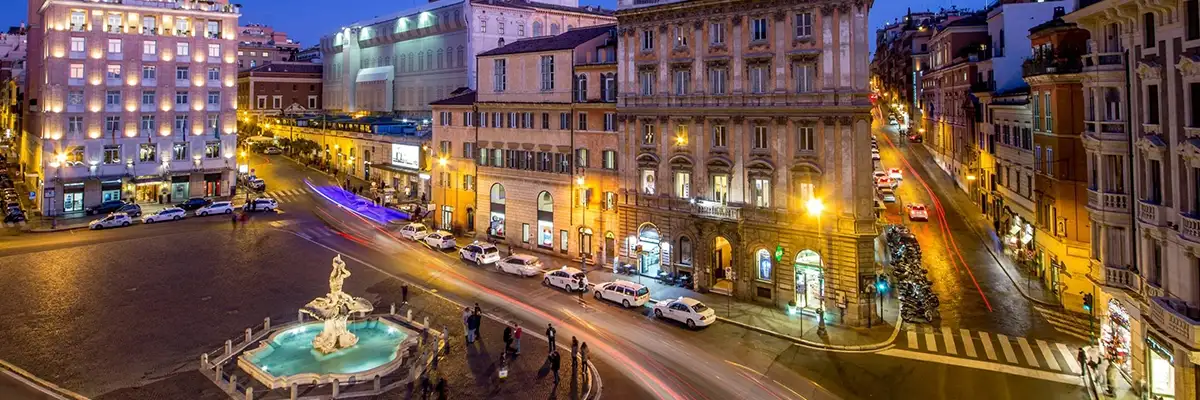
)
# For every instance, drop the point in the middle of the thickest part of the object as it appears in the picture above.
(580, 181)
(815, 207)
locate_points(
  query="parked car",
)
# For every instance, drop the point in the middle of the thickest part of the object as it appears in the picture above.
(105, 207)
(414, 231)
(895, 174)
(166, 214)
(14, 216)
(875, 156)
(566, 278)
(878, 174)
(885, 183)
(441, 240)
(256, 184)
(193, 203)
(217, 207)
(888, 195)
(12, 206)
(111, 221)
(520, 264)
(686, 310)
(261, 204)
(629, 294)
(273, 150)
(918, 212)
(133, 210)
(480, 253)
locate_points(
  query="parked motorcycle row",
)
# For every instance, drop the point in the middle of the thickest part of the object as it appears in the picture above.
(918, 301)
(682, 279)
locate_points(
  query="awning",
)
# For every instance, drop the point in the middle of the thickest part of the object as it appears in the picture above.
(374, 74)
(393, 168)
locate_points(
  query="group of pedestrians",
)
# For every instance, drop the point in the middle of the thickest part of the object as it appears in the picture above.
(513, 332)
(471, 320)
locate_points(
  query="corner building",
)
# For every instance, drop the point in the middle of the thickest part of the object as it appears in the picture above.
(130, 100)
(735, 116)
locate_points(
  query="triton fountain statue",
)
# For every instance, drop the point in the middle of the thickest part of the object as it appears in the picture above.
(335, 309)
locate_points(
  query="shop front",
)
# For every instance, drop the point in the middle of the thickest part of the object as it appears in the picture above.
(647, 247)
(72, 197)
(110, 190)
(496, 215)
(545, 221)
(212, 184)
(1160, 367)
(403, 184)
(180, 188)
(149, 189)
(810, 280)
(1115, 337)
(1018, 239)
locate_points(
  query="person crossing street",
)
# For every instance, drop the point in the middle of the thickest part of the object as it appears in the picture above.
(550, 331)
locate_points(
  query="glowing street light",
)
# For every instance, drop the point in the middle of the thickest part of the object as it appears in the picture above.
(814, 206)
(442, 161)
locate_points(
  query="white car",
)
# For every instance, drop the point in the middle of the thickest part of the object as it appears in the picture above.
(415, 231)
(217, 207)
(261, 204)
(686, 310)
(440, 240)
(566, 278)
(520, 264)
(888, 195)
(480, 253)
(256, 184)
(878, 174)
(627, 293)
(166, 214)
(111, 221)
(918, 212)
(874, 156)
(885, 182)
(895, 174)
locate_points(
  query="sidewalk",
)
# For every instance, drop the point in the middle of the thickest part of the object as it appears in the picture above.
(799, 328)
(81, 220)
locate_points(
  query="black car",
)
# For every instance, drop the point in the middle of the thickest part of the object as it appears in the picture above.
(105, 207)
(15, 216)
(193, 203)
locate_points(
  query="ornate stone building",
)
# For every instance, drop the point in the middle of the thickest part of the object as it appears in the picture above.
(745, 149)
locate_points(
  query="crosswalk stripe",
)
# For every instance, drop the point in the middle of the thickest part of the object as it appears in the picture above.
(930, 341)
(1050, 361)
(949, 338)
(1072, 364)
(968, 344)
(1028, 352)
(987, 346)
(912, 339)
(1009, 355)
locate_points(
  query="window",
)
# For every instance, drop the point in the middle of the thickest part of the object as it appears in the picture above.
(262, 102)
(75, 125)
(1193, 19)
(277, 102)
(1194, 92)
(520, 29)
(146, 152)
(76, 71)
(212, 149)
(554, 29)
(112, 154)
(805, 75)
(758, 29)
(648, 134)
(719, 136)
(181, 124)
(148, 98)
(716, 33)
(1050, 161)
(759, 75)
(214, 74)
(182, 49)
(581, 157)
(583, 126)
(564, 121)
(113, 72)
(1036, 100)
(214, 50)
(500, 78)
(214, 98)
(648, 182)
(760, 136)
(683, 184)
(181, 98)
(545, 120)
(213, 28)
(1152, 104)
(610, 201)
(803, 25)
(112, 98)
(78, 20)
(680, 37)
(581, 88)
(148, 124)
(608, 83)
(149, 72)
(1148, 30)
(806, 142)
(547, 68)
(112, 124)
(683, 79)
(179, 151)
(114, 46)
(79, 45)
(610, 122)
(717, 78)
(181, 73)
(647, 40)
(646, 80)
(1049, 113)
(720, 185)
(761, 192)
(609, 159)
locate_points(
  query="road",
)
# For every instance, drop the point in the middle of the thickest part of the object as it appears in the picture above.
(108, 294)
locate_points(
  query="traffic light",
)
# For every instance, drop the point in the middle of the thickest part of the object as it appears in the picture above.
(1087, 302)
(881, 285)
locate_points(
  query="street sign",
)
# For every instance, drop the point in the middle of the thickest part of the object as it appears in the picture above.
(49, 194)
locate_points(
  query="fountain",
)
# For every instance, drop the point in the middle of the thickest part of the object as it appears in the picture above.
(333, 349)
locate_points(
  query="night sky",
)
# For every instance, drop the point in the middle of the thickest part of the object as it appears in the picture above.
(307, 20)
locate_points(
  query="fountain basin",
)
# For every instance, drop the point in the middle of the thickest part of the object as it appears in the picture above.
(287, 356)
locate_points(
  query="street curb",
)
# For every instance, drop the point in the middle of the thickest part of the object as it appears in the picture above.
(871, 347)
(988, 247)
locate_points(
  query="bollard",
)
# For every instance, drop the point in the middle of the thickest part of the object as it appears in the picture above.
(203, 360)
(233, 383)
(378, 382)
(425, 322)
(393, 310)
(250, 393)
(249, 334)
(336, 388)
(228, 346)
(409, 317)
(300, 316)
(267, 324)
(293, 390)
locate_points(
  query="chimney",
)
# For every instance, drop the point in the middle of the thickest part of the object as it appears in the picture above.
(1059, 12)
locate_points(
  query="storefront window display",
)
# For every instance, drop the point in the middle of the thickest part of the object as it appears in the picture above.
(1161, 367)
(762, 259)
(545, 216)
(1114, 335)
(651, 247)
(496, 217)
(810, 279)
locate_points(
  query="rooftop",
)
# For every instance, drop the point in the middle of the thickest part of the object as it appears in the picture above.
(460, 97)
(287, 67)
(566, 40)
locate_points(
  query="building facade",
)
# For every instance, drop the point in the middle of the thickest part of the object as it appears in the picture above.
(13, 53)
(260, 44)
(949, 107)
(745, 128)
(129, 100)
(533, 161)
(1141, 88)
(401, 63)
(280, 88)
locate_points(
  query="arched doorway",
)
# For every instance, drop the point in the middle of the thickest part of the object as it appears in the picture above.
(650, 244)
(470, 220)
(545, 223)
(722, 266)
(610, 246)
(810, 280)
(496, 218)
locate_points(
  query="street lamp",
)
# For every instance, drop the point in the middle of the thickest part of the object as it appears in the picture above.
(814, 207)
(583, 200)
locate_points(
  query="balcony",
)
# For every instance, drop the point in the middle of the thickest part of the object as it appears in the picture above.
(1189, 227)
(1111, 202)
(176, 5)
(1122, 278)
(713, 210)
(1152, 213)
(983, 86)
(1103, 61)
(1056, 62)
(1178, 318)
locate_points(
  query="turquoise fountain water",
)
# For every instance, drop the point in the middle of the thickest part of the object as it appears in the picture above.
(291, 351)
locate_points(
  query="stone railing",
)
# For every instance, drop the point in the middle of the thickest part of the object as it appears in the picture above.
(1122, 278)
(1103, 61)
(1189, 227)
(1152, 290)
(1108, 201)
(1180, 319)
(1151, 213)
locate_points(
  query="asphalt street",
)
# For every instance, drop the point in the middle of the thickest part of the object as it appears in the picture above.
(151, 298)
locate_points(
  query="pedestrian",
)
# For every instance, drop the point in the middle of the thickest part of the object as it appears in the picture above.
(1082, 357)
(404, 293)
(233, 218)
(550, 331)
(466, 317)
(508, 338)
(1110, 378)
(478, 319)
(574, 354)
(477, 309)
(474, 324)
(441, 388)
(517, 336)
(446, 339)
(583, 359)
(555, 362)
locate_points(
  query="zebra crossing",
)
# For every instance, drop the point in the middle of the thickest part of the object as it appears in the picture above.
(1066, 322)
(288, 195)
(316, 232)
(996, 348)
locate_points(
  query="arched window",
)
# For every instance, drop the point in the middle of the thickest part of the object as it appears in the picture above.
(441, 60)
(421, 61)
(403, 66)
(496, 218)
(545, 223)
(554, 30)
(410, 62)
(762, 259)
(428, 59)
(462, 57)
(537, 28)
(500, 42)
(685, 250)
